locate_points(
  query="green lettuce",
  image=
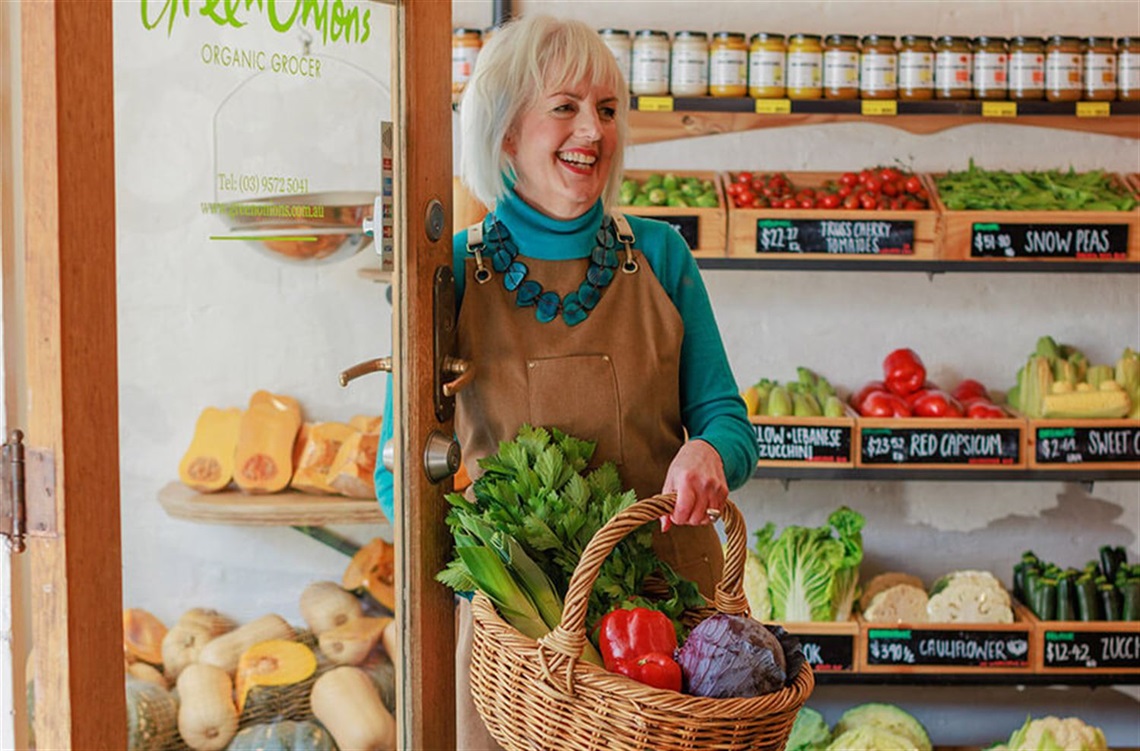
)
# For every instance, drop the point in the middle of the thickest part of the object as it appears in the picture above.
(809, 731)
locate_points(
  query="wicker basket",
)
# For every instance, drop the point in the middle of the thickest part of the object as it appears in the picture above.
(539, 695)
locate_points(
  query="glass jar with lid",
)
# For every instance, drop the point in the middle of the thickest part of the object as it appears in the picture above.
(804, 67)
(953, 68)
(878, 67)
(649, 64)
(991, 68)
(621, 47)
(1099, 69)
(1063, 69)
(841, 66)
(1026, 68)
(689, 67)
(916, 67)
(766, 56)
(728, 64)
(465, 46)
(1128, 68)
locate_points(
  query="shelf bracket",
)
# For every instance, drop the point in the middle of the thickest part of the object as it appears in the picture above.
(327, 537)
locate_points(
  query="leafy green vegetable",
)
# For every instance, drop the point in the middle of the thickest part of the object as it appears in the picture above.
(885, 717)
(809, 731)
(978, 189)
(536, 507)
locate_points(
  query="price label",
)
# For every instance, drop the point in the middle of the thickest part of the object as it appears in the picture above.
(688, 226)
(894, 446)
(1093, 109)
(1078, 241)
(835, 236)
(805, 443)
(982, 649)
(831, 653)
(1104, 650)
(655, 104)
(879, 107)
(773, 106)
(1087, 445)
(999, 109)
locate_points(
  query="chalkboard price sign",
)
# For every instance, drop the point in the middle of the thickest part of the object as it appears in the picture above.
(981, 649)
(1103, 650)
(689, 226)
(1081, 241)
(808, 443)
(835, 236)
(1087, 445)
(830, 653)
(997, 446)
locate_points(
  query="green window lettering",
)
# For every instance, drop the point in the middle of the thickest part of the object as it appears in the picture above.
(169, 5)
(275, 20)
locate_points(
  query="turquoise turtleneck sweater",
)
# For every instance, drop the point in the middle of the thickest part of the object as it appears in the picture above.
(711, 407)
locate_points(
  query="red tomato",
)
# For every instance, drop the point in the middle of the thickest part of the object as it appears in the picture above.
(890, 189)
(851, 202)
(733, 188)
(889, 174)
(844, 191)
(831, 201)
(969, 389)
(743, 177)
(913, 184)
(868, 201)
(883, 404)
(864, 175)
(759, 203)
(873, 184)
(848, 179)
(807, 203)
(790, 203)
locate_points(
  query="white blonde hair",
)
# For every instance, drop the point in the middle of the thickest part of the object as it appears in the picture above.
(515, 68)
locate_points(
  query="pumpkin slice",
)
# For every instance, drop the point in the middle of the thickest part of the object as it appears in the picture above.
(353, 468)
(367, 423)
(142, 636)
(277, 401)
(373, 570)
(263, 461)
(321, 445)
(351, 643)
(276, 662)
(224, 651)
(208, 465)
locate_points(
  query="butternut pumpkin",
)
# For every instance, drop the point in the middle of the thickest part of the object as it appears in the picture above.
(373, 570)
(263, 461)
(351, 473)
(390, 640)
(211, 620)
(277, 662)
(144, 671)
(207, 717)
(142, 636)
(366, 423)
(152, 717)
(225, 651)
(184, 641)
(351, 643)
(208, 464)
(277, 401)
(322, 442)
(326, 605)
(347, 703)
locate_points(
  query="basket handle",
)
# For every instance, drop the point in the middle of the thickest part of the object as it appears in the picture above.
(569, 637)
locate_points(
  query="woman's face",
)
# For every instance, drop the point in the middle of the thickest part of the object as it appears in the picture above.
(562, 148)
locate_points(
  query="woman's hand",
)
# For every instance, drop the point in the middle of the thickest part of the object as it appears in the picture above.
(696, 475)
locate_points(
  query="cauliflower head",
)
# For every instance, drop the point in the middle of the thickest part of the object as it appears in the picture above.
(1057, 734)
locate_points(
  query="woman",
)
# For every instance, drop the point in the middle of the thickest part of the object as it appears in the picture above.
(578, 318)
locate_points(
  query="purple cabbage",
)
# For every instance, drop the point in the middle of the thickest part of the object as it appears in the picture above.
(729, 656)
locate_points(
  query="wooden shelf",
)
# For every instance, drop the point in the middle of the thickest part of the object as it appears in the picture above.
(861, 263)
(279, 509)
(864, 474)
(975, 679)
(654, 119)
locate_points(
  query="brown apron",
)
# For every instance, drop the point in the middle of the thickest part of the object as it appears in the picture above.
(614, 378)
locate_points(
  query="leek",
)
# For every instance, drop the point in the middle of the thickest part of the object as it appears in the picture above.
(495, 581)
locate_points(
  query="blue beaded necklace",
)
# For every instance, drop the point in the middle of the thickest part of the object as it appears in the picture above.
(575, 306)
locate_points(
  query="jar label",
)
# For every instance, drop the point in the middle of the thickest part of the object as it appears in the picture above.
(622, 54)
(463, 63)
(1128, 68)
(1063, 71)
(649, 69)
(804, 70)
(766, 69)
(916, 70)
(990, 71)
(952, 70)
(728, 68)
(841, 69)
(1026, 71)
(878, 72)
(1100, 71)
(690, 71)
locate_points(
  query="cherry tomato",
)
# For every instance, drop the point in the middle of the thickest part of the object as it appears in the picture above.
(913, 184)
(868, 201)
(790, 203)
(889, 174)
(851, 202)
(890, 189)
(864, 175)
(831, 200)
(759, 203)
(844, 191)
(743, 177)
(873, 184)
(848, 179)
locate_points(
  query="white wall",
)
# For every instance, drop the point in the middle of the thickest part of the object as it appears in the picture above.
(208, 322)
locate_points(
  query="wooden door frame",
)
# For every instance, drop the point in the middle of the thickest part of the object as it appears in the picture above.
(422, 106)
(72, 371)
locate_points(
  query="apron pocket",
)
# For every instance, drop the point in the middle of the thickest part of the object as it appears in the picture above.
(579, 396)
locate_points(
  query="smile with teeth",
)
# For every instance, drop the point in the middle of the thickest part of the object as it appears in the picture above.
(577, 158)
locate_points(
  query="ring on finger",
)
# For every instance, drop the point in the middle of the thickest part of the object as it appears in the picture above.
(713, 513)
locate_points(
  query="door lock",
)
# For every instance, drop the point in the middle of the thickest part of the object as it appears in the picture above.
(441, 456)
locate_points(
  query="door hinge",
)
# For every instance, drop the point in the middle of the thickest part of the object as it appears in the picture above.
(21, 469)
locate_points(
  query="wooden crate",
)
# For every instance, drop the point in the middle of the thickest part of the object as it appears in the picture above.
(1086, 647)
(830, 233)
(829, 646)
(1069, 443)
(940, 443)
(1134, 182)
(939, 648)
(823, 442)
(702, 228)
(1028, 236)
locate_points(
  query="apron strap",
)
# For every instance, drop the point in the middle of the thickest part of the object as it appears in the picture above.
(475, 248)
(626, 238)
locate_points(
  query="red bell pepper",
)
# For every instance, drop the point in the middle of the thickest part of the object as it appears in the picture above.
(868, 388)
(655, 669)
(983, 409)
(935, 403)
(903, 372)
(969, 389)
(884, 404)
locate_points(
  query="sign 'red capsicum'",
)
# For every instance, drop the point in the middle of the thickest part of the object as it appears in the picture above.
(903, 372)
(639, 643)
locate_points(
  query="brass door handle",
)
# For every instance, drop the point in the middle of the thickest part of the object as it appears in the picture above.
(457, 367)
(380, 364)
